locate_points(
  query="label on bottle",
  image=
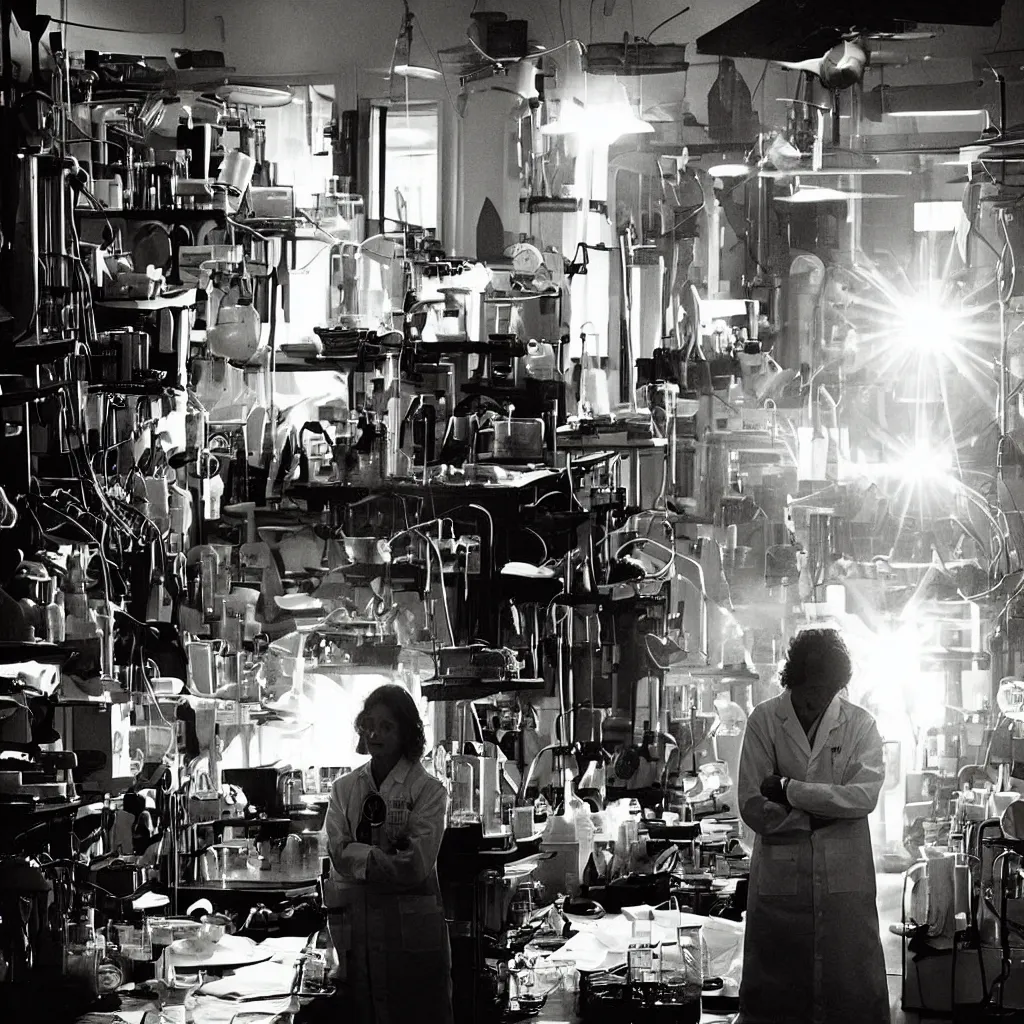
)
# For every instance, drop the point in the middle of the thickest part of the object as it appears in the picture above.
(640, 959)
(314, 972)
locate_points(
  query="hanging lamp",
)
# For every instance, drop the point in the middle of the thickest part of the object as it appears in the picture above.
(402, 63)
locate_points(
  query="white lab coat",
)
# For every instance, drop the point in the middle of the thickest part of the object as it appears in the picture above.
(811, 950)
(384, 907)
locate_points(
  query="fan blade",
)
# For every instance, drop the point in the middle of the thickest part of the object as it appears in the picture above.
(902, 37)
(812, 66)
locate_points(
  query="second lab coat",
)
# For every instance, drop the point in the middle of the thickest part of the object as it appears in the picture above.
(384, 905)
(811, 952)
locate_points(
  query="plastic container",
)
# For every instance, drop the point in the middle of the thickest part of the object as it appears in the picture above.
(539, 361)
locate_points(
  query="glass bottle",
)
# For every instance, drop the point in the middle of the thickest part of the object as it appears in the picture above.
(463, 805)
(692, 956)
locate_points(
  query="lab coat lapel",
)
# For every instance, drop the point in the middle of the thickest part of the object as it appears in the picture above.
(792, 727)
(829, 723)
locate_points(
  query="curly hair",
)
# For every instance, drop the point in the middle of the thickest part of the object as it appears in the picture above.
(816, 654)
(399, 702)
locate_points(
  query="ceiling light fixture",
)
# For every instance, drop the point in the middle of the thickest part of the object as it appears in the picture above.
(607, 114)
(736, 170)
(253, 95)
(401, 62)
(613, 114)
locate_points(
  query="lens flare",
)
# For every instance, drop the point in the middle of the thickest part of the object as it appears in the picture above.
(926, 327)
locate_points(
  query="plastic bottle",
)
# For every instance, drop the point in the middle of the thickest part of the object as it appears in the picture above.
(76, 605)
(539, 361)
(55, 618)
(577, 812)
(583, 824)
(251, 628)
(209, 564)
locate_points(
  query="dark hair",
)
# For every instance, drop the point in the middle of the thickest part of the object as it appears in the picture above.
(403, 709)
(816, 654)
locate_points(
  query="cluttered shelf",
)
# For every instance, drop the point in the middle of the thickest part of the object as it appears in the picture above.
(164, 216)
(501, 480)
(477, 689)
(171, 300)
(615, 443)
(16, 810)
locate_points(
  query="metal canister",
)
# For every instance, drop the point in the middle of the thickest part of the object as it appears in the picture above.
(132, 349)
(329, 775)
(292, 789)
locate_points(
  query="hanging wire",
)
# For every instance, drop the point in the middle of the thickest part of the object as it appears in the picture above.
(662, 24)
(131, 31)
(437, 63)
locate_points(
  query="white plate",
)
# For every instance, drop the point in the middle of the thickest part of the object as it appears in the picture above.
(298, 603)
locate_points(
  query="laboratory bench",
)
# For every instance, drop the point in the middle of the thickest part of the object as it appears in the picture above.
(559, 1009)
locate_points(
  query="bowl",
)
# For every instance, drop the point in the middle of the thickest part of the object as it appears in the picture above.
(240, 598)
(367, 550)
(167, 686)
(204, 941)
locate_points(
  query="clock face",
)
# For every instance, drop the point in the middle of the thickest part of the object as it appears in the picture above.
(526, 258)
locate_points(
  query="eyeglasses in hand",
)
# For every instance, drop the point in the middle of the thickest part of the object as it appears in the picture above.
(374, 814)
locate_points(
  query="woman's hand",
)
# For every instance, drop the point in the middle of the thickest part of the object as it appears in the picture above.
(773, 788)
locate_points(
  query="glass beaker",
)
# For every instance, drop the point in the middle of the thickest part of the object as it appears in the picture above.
(691, 960)
(465, 810)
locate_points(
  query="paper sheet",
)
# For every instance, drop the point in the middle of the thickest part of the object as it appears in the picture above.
(267, 980)
(601, 945)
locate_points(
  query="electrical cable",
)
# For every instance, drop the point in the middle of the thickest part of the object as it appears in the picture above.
(534, 54)
(444, 592)
(248, 230)
(662, 24)
(130, 31)
(437, 63)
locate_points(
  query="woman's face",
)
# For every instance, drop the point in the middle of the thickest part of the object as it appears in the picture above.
(381, 733)
(812, 697)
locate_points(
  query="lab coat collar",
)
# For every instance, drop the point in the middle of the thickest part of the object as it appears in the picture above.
(396, 777)
(831, 719)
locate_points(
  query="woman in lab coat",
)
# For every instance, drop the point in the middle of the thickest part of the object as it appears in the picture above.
(384, 826)
(810, 774)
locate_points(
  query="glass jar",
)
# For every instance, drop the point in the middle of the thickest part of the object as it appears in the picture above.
(691, 961)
